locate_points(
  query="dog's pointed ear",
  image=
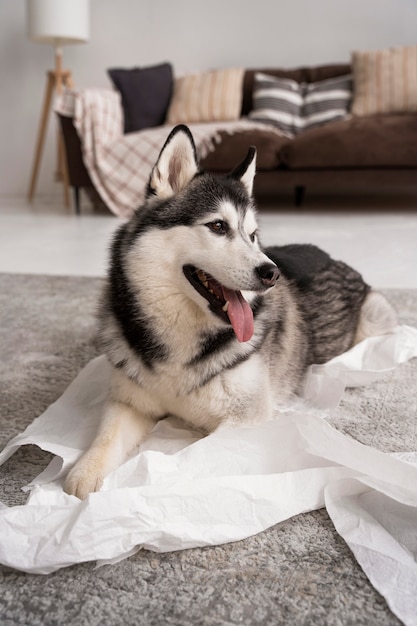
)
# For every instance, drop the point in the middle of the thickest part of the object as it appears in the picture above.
(176, 165)
(245, 171)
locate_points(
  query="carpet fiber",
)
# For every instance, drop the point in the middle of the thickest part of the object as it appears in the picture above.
(299, 572)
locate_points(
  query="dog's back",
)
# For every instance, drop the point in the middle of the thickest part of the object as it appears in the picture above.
(329, 294)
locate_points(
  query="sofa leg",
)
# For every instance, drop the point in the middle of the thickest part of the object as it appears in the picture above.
(77, 200)
(299, 194)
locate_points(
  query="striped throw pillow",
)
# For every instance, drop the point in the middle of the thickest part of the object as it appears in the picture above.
(327, 100)
(207, 97)
(278, 101)
(295, 107)
(385, 81)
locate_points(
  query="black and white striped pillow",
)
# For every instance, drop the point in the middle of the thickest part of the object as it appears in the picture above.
(294, 107)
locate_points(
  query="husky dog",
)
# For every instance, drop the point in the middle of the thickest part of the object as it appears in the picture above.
(198, 321)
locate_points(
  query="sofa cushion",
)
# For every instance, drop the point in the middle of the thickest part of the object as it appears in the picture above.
(385, 81)
(295, 107)
(146, 93)
(207, 97)
(378, 141)
(233, 148)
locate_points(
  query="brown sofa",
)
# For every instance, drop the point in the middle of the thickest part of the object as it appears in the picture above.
(357, 152)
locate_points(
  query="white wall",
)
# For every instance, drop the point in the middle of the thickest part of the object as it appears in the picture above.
(192, 34)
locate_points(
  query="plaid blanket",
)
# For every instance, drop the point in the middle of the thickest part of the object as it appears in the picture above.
(120, 165)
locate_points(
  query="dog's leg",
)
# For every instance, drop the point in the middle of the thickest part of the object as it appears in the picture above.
(121, 430)
(377, 317)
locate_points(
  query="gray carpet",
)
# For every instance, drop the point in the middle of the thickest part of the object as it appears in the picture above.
(299, 572)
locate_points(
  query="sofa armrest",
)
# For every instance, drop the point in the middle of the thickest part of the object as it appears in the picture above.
(77, 172)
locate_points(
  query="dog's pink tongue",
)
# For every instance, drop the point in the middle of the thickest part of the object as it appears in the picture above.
(240, 314)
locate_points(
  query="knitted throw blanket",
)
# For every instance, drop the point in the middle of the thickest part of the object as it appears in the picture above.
(120, 165)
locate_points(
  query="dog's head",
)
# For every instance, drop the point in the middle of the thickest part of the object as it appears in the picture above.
(209, 231)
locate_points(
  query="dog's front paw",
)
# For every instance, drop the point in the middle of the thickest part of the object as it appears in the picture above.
(84, 478)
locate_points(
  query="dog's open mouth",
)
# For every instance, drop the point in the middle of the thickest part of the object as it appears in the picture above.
(229, 305)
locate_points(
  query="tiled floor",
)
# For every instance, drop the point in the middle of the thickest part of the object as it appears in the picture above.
(377, 237)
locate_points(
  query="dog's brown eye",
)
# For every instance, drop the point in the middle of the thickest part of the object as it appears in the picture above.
(219, 227)
(253, 235)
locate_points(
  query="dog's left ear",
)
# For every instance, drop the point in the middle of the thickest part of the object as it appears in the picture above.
(176, 165)
(245, 171)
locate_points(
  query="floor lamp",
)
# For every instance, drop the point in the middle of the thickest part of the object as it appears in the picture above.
(56, 22)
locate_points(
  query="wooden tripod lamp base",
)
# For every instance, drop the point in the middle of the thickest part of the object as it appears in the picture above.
(56, 23)
(55, 81)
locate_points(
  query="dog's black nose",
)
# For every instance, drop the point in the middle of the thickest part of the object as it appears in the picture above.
(268, 273)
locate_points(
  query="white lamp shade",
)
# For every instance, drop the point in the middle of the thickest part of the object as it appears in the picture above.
(58, 21)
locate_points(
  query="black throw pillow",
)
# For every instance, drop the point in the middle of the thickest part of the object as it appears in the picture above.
(146, 94)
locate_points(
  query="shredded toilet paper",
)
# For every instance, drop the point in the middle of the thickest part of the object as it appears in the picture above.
(181, 491)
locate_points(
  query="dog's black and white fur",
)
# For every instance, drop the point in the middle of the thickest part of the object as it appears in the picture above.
(184, 340)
